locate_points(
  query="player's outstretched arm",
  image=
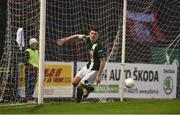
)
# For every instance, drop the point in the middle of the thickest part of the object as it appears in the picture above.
(102, 65)
(61, 41)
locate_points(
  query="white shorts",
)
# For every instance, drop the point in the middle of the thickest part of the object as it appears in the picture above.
(87, 76)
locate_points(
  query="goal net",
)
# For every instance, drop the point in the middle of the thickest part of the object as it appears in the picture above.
(152, 34)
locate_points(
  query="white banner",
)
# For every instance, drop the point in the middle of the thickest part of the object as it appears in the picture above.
(151, 81)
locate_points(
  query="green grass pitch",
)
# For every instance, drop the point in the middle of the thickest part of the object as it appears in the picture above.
(125, 107)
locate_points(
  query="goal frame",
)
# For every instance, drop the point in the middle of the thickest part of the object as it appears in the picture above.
(41, 50)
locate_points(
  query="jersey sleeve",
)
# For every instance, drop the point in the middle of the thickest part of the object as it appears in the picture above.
(85, 38)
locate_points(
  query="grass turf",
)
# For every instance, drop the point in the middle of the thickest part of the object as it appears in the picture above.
(126, 107)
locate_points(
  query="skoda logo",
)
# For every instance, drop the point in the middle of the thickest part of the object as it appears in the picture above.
(168, 85)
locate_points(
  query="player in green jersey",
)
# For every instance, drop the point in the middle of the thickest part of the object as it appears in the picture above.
(93, 70)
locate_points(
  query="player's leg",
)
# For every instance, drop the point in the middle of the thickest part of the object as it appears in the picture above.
(27, 83)
(30, 83)
(79, 91)
(33, 83)
(76, 82)
(87, 82)
(83, 91)
(87, 90)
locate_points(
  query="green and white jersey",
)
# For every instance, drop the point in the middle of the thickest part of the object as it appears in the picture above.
(95, 52)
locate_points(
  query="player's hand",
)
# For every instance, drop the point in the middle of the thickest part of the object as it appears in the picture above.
(60, 41)
(98, 80)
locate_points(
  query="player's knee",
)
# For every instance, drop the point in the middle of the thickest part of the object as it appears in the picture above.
(74, 83)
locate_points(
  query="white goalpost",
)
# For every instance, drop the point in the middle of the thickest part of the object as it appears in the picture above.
(42, 36)
(123, 50)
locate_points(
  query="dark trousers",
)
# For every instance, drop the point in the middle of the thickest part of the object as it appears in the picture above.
(30, 82)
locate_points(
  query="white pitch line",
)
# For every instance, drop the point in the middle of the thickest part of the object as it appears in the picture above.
(19, 105)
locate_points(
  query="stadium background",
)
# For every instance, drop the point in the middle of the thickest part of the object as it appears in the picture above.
(168, 33)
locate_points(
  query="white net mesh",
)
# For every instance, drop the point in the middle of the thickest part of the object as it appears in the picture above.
(19, 14)
(67, 18)
(152, 31)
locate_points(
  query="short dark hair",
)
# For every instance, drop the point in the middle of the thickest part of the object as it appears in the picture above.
(94, 28)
